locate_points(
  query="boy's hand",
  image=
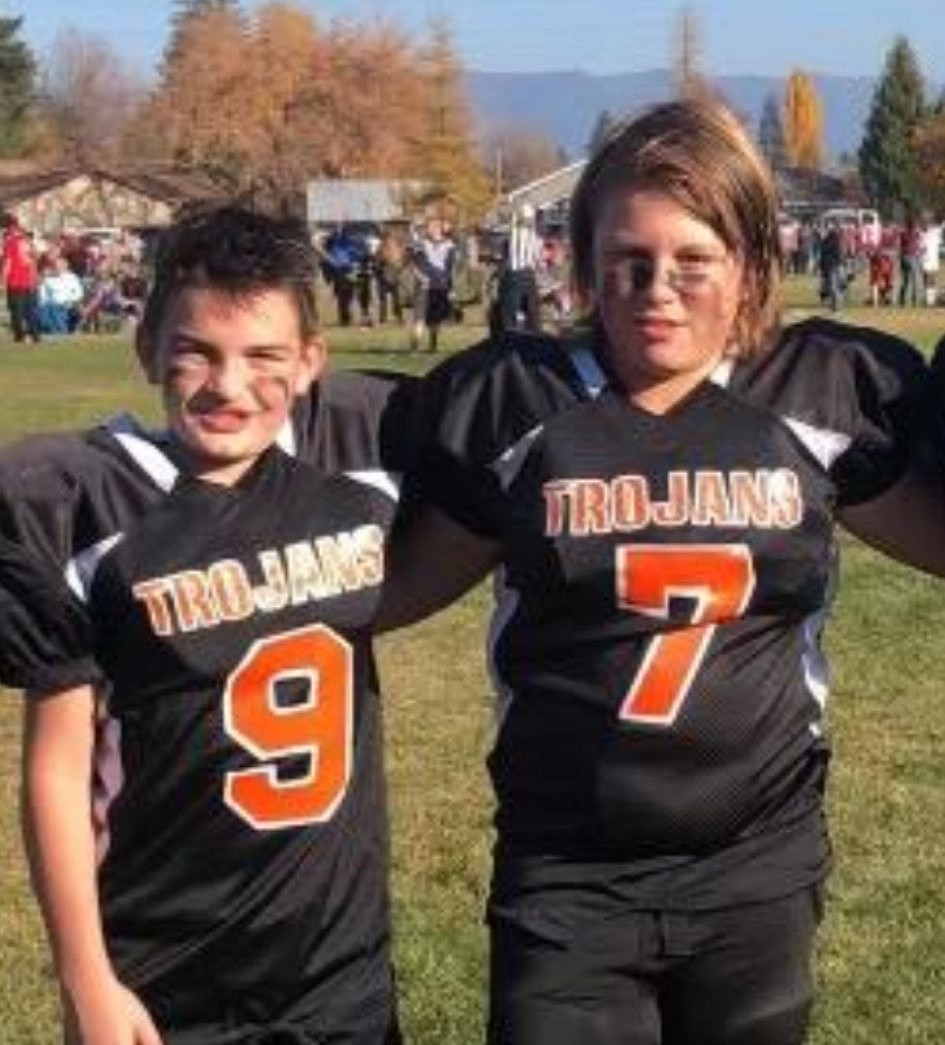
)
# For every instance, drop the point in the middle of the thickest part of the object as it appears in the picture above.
(110, 1015)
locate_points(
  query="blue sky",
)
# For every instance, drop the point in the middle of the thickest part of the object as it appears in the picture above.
(768, 37)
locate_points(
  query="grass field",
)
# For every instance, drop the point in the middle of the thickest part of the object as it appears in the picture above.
(881, 963)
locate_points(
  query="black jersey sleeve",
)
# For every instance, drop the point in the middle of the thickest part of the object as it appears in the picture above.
(41, 490)
(474, 410)
(46, 486)
(894, 416)
(938, 377)
(46, 636)
(357, 420)
(869, 391)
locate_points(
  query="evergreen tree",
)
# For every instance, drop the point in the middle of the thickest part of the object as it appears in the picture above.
(771, 134)
(686, 65)
(17, 88)
(888, 166)
(603, 125)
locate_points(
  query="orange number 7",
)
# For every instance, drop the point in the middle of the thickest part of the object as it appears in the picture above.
(720, 578)
(318, 728)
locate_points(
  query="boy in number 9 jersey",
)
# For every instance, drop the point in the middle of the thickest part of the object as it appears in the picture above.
(205, 803)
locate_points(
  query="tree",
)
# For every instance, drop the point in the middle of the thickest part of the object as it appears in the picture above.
(888, 166)
(928, 141)
(188, 11)
(17, 89)
(369, 101)
(445, 156)
(689, 80)
(88, 98)
(268, 102)
(200, 108)
(601, 131)
(277, 145)
(804, 122)
(771, 134)
(519, 156)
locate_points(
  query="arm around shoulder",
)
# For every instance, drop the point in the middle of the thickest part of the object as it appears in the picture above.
(907, 521)
(431, 563)
(58, 750)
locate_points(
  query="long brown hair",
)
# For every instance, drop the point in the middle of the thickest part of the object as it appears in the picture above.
(696, 152)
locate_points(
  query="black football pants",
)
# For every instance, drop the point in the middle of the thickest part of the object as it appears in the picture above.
(518, 296)
(739, 976)
(369, 1023)
(24, 314)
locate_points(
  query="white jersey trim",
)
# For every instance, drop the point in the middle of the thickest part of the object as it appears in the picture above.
(506, 600)
(285, 440)
(141, 448)
(509, 463)
(80, 570)
(816, 665)
(388, 483)
(722, 374)
(823, 443)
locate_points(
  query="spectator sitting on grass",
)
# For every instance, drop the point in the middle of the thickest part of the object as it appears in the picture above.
(108, 307)
(60, 298)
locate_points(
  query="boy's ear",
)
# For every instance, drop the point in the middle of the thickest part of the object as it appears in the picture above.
(147, 355)
(314, 361)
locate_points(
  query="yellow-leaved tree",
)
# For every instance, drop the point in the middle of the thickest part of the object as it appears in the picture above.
(803, 122)
(446, 157)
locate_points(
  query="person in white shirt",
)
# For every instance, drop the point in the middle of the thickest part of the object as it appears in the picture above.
(433, 259)
(60, 298)
(518, 302)
(930, 246)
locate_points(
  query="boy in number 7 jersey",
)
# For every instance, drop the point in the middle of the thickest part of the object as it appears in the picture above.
(205, 808)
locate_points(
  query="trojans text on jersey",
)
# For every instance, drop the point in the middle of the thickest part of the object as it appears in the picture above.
(298, 573)
(764, 498)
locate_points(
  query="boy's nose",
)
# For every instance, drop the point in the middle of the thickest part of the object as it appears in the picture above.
(228, 379)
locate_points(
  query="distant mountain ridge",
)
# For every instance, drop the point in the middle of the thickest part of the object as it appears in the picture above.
(565, 105)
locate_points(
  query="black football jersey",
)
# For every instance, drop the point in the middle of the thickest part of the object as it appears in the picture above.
(239, 793)
(42, 623)
(664, 581)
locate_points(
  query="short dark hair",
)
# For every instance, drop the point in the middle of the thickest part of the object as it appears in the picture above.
(236, 251)
(697, 152)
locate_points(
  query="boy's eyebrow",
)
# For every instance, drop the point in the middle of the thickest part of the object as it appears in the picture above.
(183, 337)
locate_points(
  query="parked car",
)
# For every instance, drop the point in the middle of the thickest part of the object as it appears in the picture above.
(862, 223)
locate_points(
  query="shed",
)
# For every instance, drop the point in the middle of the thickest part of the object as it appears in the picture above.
(342, 200)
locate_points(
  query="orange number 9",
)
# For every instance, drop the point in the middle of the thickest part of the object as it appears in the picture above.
(319, 728)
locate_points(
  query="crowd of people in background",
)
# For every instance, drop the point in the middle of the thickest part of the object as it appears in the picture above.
(71, 283)
(426, 274)
(894, 264)
(421, 276)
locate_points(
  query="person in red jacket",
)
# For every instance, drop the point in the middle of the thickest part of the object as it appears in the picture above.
(20, 280)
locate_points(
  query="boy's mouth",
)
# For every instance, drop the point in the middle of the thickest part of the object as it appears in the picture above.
(224, 421)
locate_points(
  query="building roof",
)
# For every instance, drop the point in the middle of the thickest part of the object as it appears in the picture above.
(797, 187)
(549, 190)
(169, 185)
(801, 188)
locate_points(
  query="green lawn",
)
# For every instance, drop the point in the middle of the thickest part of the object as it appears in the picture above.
(882, 952)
